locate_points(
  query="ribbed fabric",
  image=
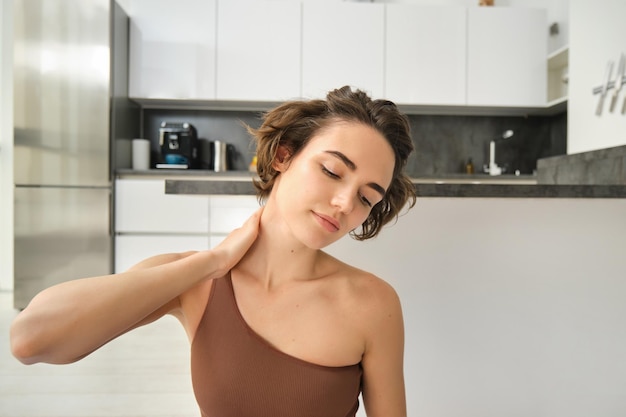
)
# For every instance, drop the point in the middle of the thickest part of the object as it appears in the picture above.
(236, 373)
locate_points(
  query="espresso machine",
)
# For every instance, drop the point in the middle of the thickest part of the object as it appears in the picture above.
(178, 143)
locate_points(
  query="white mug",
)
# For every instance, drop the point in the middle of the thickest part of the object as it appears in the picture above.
(141, 154)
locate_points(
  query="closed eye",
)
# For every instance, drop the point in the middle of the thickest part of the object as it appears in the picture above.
(332, 175)
(352, 166)
(329, 173)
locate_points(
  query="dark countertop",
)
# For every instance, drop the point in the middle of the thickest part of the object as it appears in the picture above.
(520, 191)
(196, 182)
(217, 187)
(600, 167)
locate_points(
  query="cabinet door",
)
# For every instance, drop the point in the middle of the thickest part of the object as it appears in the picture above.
(172, 49)
(342, 44)
(132, 249)
(228, 213)
(141, 206)
(258, 50)
(425, 54)
(507, 51)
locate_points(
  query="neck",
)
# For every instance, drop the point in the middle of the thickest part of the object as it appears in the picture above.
(276, 258)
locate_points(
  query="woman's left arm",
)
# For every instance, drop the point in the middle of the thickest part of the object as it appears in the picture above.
(383, 359)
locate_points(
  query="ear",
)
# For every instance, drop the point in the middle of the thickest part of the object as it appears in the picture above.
(281, 161)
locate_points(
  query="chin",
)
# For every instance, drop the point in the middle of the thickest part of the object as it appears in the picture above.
(318, 243)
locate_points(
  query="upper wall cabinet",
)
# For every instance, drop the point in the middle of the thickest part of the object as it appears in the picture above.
(239, 53)
(172, 49)
(342, 44)
(258, 50)
(425, 55)
(506, 57)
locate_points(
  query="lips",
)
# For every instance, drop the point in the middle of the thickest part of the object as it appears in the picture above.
(327, 222)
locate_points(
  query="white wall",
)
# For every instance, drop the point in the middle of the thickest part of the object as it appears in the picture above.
(125, 4)
(512, 307)
(6, 145)
(597, 35)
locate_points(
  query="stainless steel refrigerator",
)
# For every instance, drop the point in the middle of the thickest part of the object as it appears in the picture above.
(70, 104)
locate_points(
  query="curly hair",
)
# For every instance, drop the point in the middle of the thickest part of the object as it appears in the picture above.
(294, 123)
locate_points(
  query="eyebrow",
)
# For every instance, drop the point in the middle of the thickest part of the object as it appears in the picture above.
(352, 166)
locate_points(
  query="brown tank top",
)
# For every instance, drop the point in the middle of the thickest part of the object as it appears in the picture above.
(236, 373)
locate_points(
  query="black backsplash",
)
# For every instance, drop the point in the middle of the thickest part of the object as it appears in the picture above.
(443, 144)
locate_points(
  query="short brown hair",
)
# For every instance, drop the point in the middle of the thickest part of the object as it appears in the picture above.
(294, 123)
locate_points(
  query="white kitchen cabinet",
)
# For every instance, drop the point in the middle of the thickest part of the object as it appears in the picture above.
(141, 206)
(172, 49)
(229, 212)
(131, 249)
(506, 57)
(258, 50)
(342, 44)
(425, 54)
(149, 222)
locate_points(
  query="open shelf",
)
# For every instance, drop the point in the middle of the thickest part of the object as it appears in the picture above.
(558, 76)
(559, 58)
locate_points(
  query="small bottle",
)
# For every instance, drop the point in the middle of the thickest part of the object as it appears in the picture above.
(469, 167)
(252, 166)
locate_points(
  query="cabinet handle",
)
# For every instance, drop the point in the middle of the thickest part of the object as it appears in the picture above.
(618, 82)
(605, 87)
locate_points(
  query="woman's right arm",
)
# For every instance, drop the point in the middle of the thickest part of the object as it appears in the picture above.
(66, 322)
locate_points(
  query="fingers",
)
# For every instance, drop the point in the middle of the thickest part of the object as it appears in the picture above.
(256, 216)
(252, 223)
(237, 243)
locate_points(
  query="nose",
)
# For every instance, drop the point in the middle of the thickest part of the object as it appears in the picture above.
(343, 200)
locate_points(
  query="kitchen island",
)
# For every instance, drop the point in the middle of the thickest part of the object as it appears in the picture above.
(512, 295)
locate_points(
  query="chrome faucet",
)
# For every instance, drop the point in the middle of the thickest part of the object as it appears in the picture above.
(493, 168)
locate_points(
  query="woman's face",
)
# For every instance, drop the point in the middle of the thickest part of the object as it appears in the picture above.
(329, 188)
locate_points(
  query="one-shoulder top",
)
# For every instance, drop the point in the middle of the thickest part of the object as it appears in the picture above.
(236, 373)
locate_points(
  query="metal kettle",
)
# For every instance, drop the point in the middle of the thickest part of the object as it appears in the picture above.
(222, 156)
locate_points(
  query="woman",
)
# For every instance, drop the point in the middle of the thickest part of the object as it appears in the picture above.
(277, 326)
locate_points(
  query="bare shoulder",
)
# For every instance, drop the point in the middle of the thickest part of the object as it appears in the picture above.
(370, 290)
(381, 325)
(372, 301)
